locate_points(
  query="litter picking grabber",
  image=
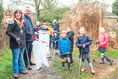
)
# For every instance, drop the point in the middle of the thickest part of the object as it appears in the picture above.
(22, 55)
(80, 63)
(94, 60)
(27, 57)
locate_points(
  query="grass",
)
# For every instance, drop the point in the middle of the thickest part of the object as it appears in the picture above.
(112, 53)
(74, 74)
(5, 64)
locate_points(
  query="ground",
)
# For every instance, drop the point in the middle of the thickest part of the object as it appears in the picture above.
(55, 71)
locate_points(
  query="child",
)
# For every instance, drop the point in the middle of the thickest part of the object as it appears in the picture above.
(64, 49)
(55, 39)
(37, 26)
(83, 42)
(51, 30)
(103, 42)
(70, 35)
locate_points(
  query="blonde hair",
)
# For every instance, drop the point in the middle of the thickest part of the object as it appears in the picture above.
(82, 28)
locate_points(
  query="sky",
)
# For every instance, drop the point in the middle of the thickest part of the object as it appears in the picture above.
(63, 3)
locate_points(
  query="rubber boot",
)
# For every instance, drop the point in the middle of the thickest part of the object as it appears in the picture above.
(92, 71)
(69, 68)
(63, 65)
(102, 60)
(83, 68)
(109, 60)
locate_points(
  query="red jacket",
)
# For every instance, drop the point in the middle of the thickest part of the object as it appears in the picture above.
(103, 40)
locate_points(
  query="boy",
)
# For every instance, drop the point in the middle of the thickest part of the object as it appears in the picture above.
(64, 49)
(103, 42)
(83, 43)
(70, 36)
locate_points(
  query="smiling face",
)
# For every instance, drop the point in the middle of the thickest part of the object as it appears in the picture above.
(18, 15)
(27, 11)
(102, 30)
(82, 30)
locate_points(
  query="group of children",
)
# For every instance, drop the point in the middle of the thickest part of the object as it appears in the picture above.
(63, 43)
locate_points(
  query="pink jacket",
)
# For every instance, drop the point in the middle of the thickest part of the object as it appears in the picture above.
(103, 40)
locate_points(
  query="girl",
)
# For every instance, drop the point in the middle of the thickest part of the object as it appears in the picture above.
(83, 43)
(16, 32)
(103, 42)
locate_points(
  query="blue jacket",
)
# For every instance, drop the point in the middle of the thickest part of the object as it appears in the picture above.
(64, 46)
(29, 28)
(84, 40)
(56, 27)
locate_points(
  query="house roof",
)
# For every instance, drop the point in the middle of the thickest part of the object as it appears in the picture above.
(111, 15)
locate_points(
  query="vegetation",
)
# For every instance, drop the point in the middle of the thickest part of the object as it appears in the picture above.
(115, 7)
(5, 64)
(74, 74)
(49, 15)
(1, 17)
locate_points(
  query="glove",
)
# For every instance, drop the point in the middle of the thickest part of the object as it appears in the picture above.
(33, 37)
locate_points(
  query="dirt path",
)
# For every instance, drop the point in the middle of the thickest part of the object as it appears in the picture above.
(103, 71)
(47, 73)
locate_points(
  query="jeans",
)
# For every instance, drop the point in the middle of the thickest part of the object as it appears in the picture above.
(17, 60)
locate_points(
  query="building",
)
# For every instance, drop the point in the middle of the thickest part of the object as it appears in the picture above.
(110, 19)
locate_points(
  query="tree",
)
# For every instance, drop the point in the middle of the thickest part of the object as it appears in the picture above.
(37, 7)
(115, 7)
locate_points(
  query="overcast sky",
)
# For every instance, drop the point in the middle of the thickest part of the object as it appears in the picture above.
(67, 3)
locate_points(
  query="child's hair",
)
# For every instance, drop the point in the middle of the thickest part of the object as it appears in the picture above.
(83, 29)
(63, 32)
(54, 21)
(105, 28)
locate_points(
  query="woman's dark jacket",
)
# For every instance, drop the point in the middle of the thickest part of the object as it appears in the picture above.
(14, 31)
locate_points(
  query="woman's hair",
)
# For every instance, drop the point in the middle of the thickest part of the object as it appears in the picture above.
(21, 19)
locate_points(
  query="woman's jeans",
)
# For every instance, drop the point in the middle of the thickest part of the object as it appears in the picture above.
(17, 60)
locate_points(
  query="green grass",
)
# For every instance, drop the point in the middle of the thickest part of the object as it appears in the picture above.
(74, 74)
(6, 64)
(112, 53)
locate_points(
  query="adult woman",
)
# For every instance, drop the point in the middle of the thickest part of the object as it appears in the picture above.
(16, 32)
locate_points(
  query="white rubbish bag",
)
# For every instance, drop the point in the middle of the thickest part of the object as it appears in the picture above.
(41, 49)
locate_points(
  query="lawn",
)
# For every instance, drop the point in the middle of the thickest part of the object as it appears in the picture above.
(6, 64)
